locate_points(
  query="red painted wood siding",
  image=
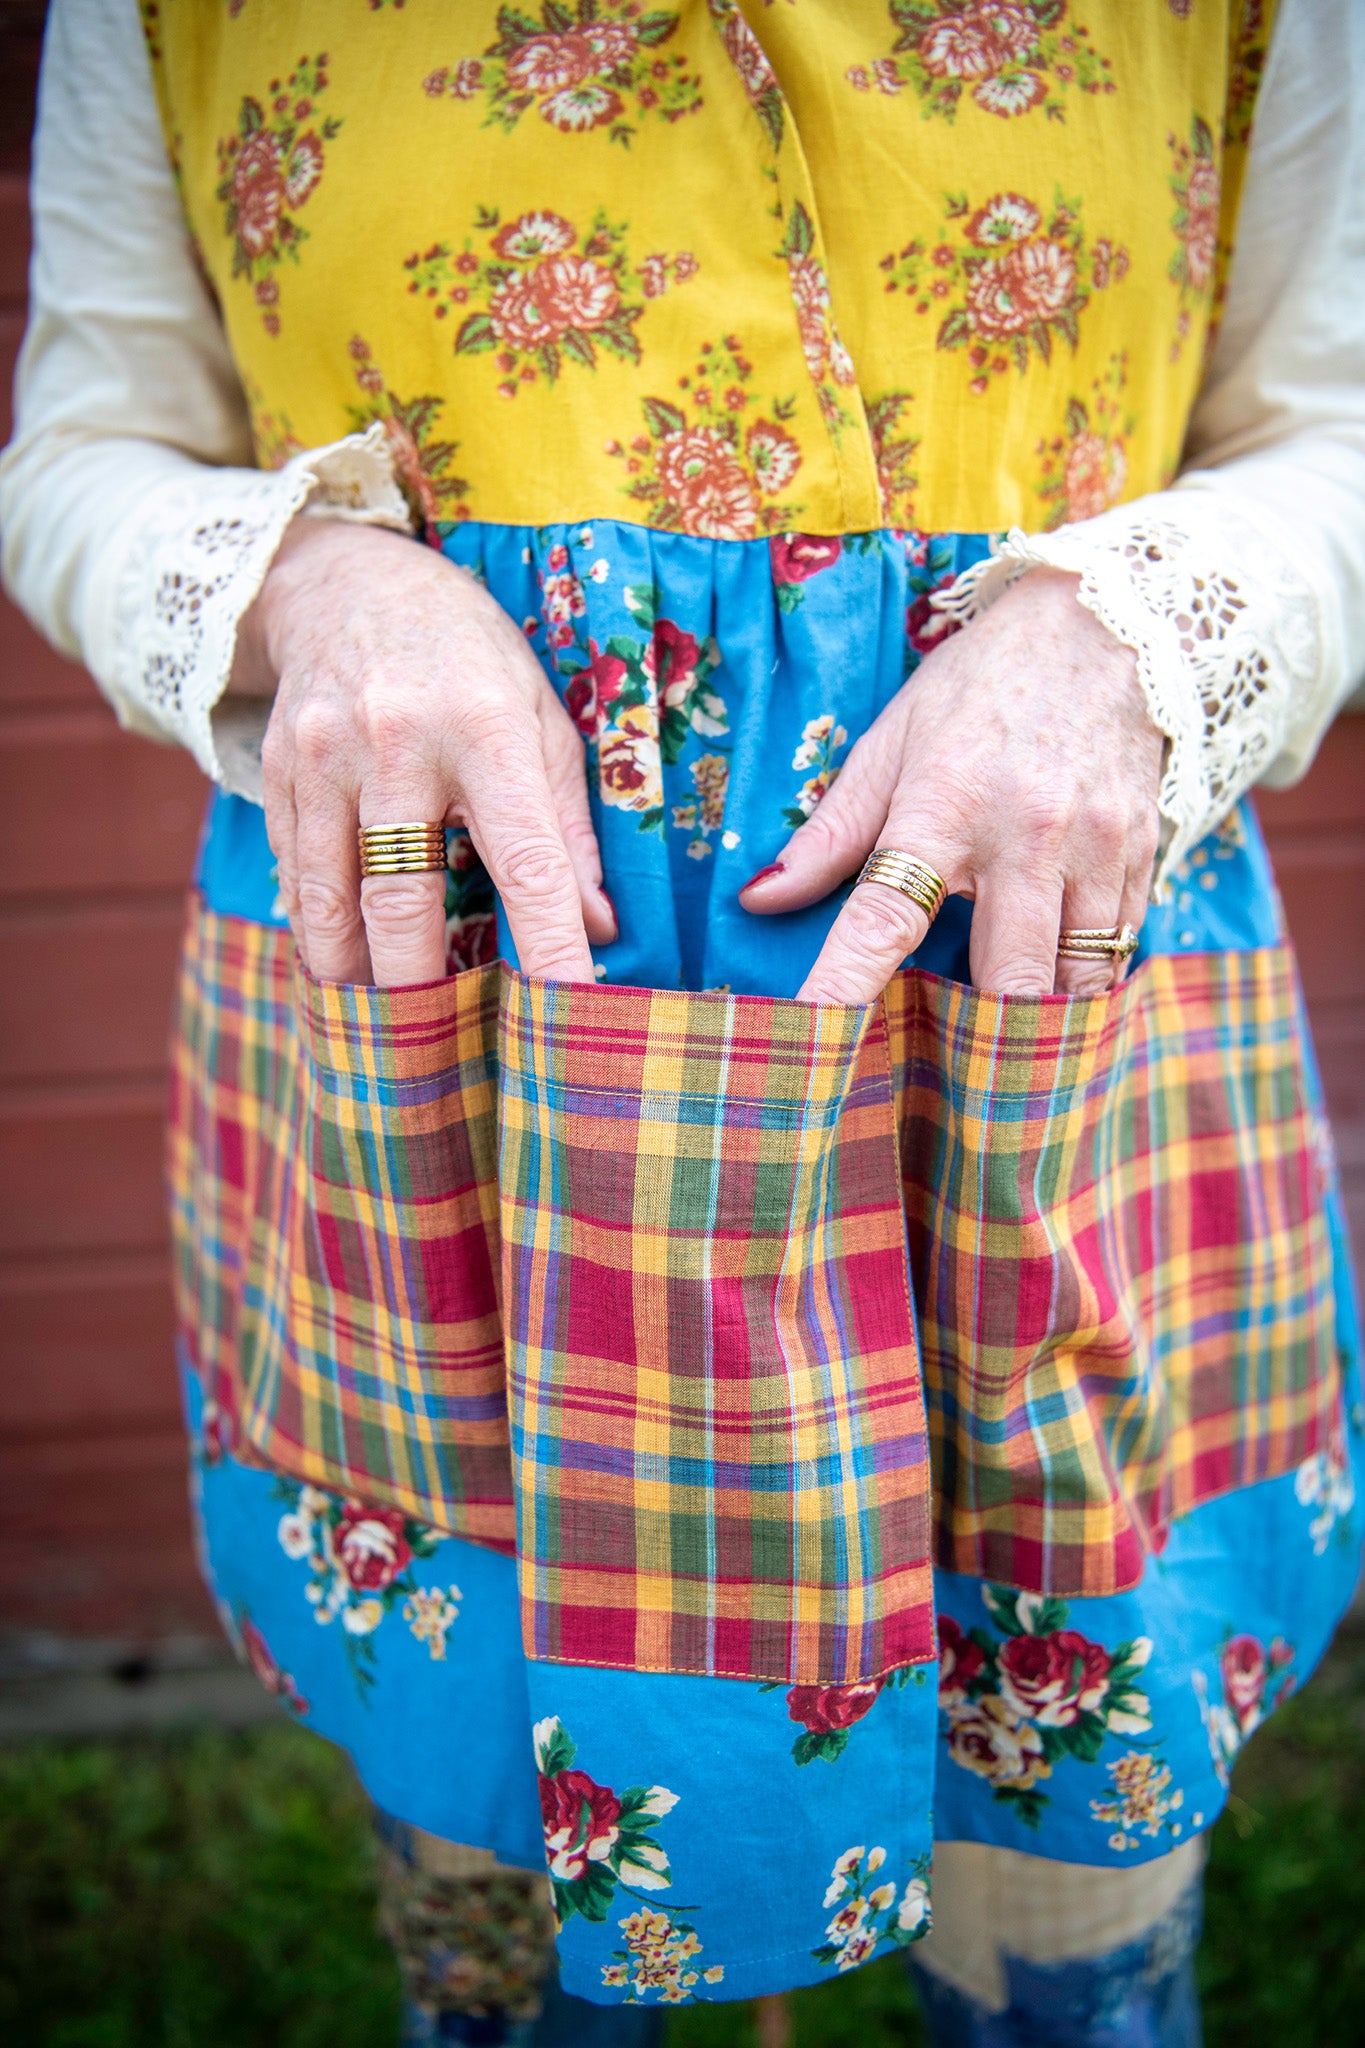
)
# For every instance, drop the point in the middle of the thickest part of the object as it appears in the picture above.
(97, 833)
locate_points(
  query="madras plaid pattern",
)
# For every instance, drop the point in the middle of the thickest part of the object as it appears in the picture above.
(717, 1423)
(1120, 1256)
(233, 1072)
(338, 1229)
(670, 1228)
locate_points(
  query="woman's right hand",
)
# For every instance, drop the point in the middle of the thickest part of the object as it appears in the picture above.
(404, 693)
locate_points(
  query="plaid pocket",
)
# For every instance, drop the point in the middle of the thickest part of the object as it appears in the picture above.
(717, 1424)
(1121, 1258)
(1117, 1236)
(232, 1082)
(386, 1375)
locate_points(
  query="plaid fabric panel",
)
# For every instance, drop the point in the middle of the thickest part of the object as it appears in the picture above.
(385, 1369)
(718, 1430)
(1120, 1258)
(333, 1158)
(232, 1074)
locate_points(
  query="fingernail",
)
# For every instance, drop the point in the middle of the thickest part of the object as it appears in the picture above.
(774, 867)
(615, 920)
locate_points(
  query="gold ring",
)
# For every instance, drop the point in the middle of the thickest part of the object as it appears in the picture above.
(1112, 942)
(913, 878)
(402, 849)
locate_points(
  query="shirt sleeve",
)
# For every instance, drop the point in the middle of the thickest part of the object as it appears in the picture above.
(136, 528)
(1242, 588)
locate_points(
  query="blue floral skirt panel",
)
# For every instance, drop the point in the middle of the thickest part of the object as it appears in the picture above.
(709, 1838)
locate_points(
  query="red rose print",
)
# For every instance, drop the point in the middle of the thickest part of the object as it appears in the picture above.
(670, 660)
(471, 941)
(303, 169)
(799, 556)
(258, 192)
(821, 1709)
(1201, 227)
(548, 63)
(597, 685)
(518, 314)
(924, 627)
(371, 1545)
(1053, 1679)
(978, 42)
(1245, 1667)
(575, 292)
(530, 236)
(960, 1660)
(612, 43)
(1041, 278)
(698, 471)
(580, 107)
(580, 1822)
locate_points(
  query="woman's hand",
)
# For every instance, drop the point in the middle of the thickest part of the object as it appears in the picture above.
(1020, 764)
(403, 693)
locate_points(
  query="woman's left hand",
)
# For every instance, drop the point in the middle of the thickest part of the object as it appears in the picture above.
(1020, 764)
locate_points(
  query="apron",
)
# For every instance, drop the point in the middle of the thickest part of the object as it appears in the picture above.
(615, 1380)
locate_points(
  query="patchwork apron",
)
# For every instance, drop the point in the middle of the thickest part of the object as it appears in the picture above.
(613, 1381)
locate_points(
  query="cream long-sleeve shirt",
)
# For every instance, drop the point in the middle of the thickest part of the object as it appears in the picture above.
(136, 532)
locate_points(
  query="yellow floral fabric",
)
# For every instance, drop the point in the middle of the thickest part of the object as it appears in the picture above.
(724, 269)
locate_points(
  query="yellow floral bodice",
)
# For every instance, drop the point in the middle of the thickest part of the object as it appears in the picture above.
(723, 269)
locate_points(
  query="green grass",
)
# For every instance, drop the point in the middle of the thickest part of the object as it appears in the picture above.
(217, 1891)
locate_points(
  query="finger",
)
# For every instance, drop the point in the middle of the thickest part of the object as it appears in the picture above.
(510, 812)
(404, 915)
(838, 836)
(277, 791)
(328, 925)
(566, 772)
(878, 926)
(1015, 923)
(1092, 902)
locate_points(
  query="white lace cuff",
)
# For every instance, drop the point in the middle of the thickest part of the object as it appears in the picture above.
(196, 560)
(1224, 626)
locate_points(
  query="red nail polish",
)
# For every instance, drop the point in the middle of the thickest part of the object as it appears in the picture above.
(615, 920)
(774, 867)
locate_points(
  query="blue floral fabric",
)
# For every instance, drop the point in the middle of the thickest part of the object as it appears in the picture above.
(706, 1838)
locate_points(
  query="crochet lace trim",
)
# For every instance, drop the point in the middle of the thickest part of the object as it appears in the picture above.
(200, 556)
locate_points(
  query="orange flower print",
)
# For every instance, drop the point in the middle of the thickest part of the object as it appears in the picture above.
(1196, 183)
(894, 452)
(828, 361)
(1006, 279)
(1008, 58)
(704, 466)
(750, 61)
(1085, 468)
(1250, 41)
(539, 295)
(267, 171)
(599, 66)
(421, 462)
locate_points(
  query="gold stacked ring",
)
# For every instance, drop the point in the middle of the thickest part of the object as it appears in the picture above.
(913, 878)
(402, 849)
(1112, 942)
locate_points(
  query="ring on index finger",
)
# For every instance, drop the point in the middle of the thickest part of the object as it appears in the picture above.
(911, 877)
